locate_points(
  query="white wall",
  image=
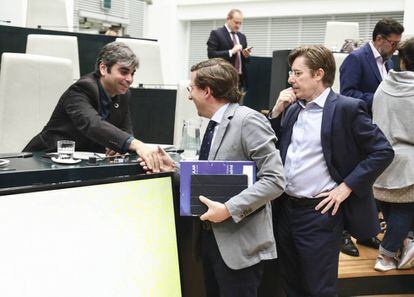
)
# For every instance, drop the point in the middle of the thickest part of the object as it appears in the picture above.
(162, 24)
(409, 17)
(213, 9)
(13, 12)
(167, 20)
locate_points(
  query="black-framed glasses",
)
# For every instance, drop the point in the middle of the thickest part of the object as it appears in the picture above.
(392, 43)
(189, 89)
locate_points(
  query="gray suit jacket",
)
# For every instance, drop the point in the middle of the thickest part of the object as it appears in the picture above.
(245, 134)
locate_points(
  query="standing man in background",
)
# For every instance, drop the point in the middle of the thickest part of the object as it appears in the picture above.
(360, 75)
(363, 69)
(230, 44)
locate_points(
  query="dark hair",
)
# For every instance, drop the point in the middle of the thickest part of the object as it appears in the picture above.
(387, 26)
(220, 76)
(116, 52)
(317, 56)
(406, 53)
(233, 11)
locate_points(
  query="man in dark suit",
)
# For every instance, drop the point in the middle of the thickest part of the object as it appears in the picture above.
(332, 154)
(230, 44)
(363, 69)
(360, 75)
(94, 111)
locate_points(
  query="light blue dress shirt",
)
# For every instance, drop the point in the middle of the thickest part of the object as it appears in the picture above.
(305, 168)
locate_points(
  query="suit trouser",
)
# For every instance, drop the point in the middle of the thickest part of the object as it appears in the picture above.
(222, 281)
(308, 249)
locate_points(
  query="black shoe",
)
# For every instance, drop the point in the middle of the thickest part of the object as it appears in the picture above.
(372, 242)
(348, 247)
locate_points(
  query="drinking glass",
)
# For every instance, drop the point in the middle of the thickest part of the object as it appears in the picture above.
(65, 149)
(190, 141)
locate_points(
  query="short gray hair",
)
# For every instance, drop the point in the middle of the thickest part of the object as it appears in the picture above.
(116, 52)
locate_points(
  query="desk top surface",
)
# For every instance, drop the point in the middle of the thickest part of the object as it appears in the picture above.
(38, 170)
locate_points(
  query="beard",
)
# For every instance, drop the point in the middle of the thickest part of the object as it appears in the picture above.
(385, 56)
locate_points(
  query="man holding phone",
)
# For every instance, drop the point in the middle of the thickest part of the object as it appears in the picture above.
(230, 44)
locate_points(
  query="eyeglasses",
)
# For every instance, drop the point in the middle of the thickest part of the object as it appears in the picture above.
(295, 73)
(189, 89)
(392, 43)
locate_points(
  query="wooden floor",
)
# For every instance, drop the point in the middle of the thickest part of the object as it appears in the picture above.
(363, 266)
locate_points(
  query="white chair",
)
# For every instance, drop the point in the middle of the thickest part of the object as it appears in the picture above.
(185, 110)
(30, 87)
(59, 46)
(148, 53)
(337, 32)
(48, 14)
(339, 58)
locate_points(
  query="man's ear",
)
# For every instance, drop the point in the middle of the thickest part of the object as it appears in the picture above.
(207, 91)
(319, 74)
(102, 69)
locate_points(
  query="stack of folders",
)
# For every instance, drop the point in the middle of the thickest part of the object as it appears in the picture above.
(216, 180)
(216, 187)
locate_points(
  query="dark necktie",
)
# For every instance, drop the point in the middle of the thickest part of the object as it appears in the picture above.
(206, 144)
(237, 62)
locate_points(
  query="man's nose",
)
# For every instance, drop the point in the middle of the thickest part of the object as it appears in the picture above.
(130, 77)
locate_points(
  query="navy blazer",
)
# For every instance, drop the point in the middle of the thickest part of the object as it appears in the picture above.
(219, 43)
(355, 150)
(359, 74)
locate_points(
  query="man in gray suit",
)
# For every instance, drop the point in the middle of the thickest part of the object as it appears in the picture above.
(237, 235)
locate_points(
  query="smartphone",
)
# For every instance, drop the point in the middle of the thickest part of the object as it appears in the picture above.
(249, 48)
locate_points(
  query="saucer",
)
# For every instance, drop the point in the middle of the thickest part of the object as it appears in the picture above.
(4, 162)
(66, 161)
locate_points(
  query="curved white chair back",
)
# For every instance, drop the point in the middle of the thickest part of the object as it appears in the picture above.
(148, 53)
(337, 32)
(185, 110)
(339, 58)
(30, 87)
(59, 46)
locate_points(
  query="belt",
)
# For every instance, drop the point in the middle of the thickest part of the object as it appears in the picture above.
(303, 202)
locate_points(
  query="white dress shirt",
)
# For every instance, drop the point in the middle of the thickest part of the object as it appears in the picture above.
(217, 117)
(380, 61)
(306, 172)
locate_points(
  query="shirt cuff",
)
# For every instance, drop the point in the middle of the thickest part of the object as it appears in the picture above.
(230, 53)
(127, 143)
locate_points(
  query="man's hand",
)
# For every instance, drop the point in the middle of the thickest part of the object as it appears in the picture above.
(148, 154)
(217, 212)
(236, 48)
(246, 52)
(286, 97)
(166, 163)
(111, 153)
(333, 198)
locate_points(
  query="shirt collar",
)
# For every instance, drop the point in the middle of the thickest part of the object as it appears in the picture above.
(377, 55)
(319, 101)
(227, 27)
(218, 115)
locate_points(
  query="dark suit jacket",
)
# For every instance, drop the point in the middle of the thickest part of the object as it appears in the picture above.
(76, 117)
(355, 150)
(218, 45)
(359, 74)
